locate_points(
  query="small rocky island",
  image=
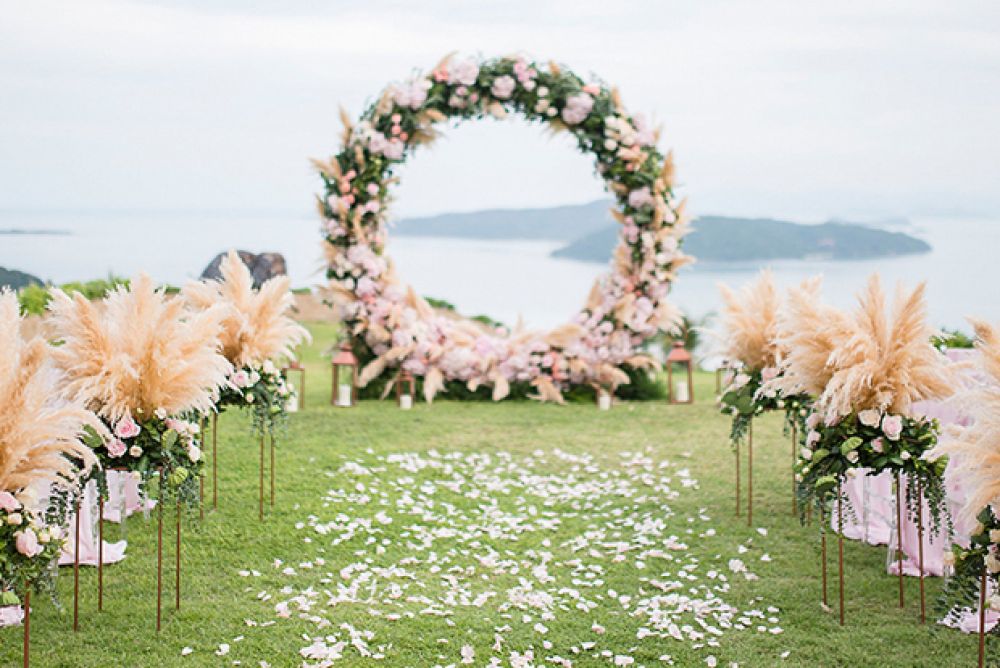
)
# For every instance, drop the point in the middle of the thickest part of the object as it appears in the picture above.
(589, 234)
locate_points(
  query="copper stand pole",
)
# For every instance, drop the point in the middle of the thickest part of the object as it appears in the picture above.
(261, 495)
(795, 507)
(201, 482)
(899, 537)
(840, 547)
(76, 568)
(27, 627)
(100, 551)
(822, 533)
(738, 495)
(215, 460)
(750, 474)
(159, 558)
(920, 547)
(177, 585)
(982, 619)
(272, 470)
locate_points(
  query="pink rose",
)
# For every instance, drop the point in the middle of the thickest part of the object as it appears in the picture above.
(769, 374)
(503, 87)
(27, 543)
(394, 151)
(464, 72)
(892, 427)
(8, 502)
(878, 445)
(117, 448)
(127, 428)
(241, 378)
(640, 198)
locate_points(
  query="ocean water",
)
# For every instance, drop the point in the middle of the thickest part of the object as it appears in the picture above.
(508, 280)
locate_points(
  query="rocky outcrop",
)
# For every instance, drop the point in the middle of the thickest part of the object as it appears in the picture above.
(262, 267)
(16, 280)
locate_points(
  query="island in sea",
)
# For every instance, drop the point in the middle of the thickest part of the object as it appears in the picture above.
(589, 234)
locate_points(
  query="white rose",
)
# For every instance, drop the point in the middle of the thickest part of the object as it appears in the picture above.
(194, 453)
(135, 451)
(870, 417)
(992, 563)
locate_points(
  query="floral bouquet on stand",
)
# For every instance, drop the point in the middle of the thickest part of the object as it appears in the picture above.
(40, 446)
(143, 366)
(750, 343)
(866, 371)
(973, 455)
(256, 330)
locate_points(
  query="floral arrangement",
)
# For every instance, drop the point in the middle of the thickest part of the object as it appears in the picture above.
(393, 329)
(40, 442)
(750, 343)
(973, 456)
(865, 371)
(142, 365)
(256, 330)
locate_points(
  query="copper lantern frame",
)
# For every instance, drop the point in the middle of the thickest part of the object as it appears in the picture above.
(406, 378)
(679, 356)
(344, 359)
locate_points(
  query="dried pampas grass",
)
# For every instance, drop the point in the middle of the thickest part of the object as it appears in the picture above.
(40, 434)
(974, 451)
(139, 353)
(808, 333)
(750, 323)
(256, 326)
(888, 362)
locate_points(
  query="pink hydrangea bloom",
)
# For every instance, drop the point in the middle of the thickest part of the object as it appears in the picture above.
(27, 543)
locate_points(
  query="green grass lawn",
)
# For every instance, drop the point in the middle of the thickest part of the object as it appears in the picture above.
(502, 517)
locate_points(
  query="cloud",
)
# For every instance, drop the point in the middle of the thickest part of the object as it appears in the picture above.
(774, 107)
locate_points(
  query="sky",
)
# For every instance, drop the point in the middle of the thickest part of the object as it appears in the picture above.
(773, 107)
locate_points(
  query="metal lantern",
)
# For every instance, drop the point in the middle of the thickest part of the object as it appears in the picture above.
(294, 365)
(683, 392)
(406, 390)
(603, 398)
(344, 392)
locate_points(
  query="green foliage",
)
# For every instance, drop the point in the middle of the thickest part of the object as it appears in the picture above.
(953, 338)
(35, 298)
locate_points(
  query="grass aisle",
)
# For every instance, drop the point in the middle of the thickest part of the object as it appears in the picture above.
(483, 531)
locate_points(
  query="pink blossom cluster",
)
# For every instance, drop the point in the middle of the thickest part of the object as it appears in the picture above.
(577, 108)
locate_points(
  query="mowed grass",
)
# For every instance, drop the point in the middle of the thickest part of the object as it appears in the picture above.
(217, 600)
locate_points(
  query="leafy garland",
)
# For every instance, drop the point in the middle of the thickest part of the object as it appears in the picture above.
(154, 444)
(30, 543)
(749, 394)
(392, 329)
(961, 588)
(875, 441)
(262, 390)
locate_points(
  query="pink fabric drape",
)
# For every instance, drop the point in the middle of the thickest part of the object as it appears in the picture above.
(113, 552)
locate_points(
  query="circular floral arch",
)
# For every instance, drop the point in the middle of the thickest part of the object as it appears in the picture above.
(395, 330)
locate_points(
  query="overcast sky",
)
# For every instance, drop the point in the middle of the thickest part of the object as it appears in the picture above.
(803, 109)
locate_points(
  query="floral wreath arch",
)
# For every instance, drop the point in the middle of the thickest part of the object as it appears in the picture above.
(394, 330)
